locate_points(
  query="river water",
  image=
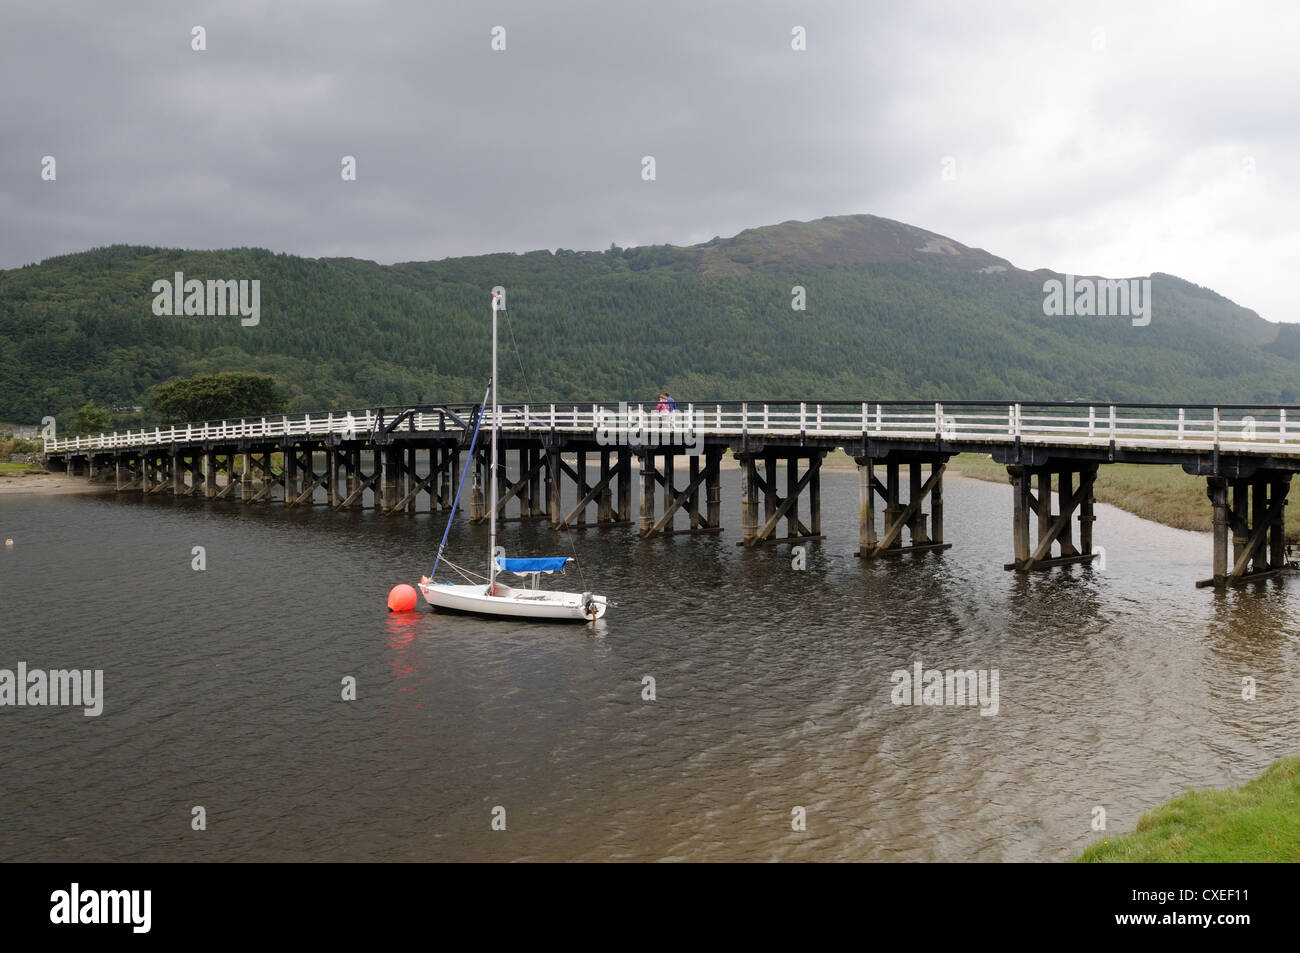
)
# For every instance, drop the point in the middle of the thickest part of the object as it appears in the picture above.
(1118, 687)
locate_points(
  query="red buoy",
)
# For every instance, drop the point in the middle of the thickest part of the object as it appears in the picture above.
(401, 598)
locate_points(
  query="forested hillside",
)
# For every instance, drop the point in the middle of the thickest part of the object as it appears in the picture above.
(891, 312)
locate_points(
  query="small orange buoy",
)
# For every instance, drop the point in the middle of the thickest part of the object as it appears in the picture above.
(401, 598)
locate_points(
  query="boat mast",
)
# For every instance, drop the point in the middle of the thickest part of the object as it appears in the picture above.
(492, 476)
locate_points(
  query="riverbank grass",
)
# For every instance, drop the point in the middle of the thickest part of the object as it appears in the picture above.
(1256, 823)
(19, 469)
(1162, 494)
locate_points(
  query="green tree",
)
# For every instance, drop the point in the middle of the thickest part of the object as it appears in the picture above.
(709, 321)
(216, 397)
(92, 419)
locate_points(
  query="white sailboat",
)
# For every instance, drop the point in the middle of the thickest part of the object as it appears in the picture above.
(495, 598)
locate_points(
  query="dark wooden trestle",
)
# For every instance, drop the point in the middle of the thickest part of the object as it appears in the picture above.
(1249, 526)
(925, 480)
(578, 467)
(1031, 489)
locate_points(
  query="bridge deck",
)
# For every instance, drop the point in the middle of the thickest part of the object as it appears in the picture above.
(1168, 431)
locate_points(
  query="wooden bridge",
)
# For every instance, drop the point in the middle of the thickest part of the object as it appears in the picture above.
(1246, 453)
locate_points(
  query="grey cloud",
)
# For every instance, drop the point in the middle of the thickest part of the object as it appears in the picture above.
(461, 150)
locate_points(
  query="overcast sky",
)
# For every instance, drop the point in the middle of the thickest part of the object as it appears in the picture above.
(1096, 138)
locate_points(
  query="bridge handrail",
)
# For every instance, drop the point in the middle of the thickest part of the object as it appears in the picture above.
(1156, 424)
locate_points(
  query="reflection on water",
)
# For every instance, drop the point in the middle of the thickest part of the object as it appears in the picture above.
(1119, 687)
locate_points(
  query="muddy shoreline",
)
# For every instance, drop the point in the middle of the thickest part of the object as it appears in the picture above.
(49, 484)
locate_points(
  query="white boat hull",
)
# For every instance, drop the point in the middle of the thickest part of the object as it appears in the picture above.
(516, 603)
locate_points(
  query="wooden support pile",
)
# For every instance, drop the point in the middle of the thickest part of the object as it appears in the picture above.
(1075, 492)
(775, 507)
(654, 476)
(602, 492)
(128, 471)
(899, 516)
(1253, 511)
(258, 479)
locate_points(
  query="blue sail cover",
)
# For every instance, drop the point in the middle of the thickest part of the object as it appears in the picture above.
(526, 567)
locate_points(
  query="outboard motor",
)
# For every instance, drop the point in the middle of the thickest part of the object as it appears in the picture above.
(590, 607)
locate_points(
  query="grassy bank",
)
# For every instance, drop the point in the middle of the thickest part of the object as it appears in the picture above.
(1259, 822)
(1159, 493)
(18, 469)
(1162, 494)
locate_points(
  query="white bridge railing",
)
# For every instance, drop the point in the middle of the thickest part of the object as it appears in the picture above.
(1247, 429)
